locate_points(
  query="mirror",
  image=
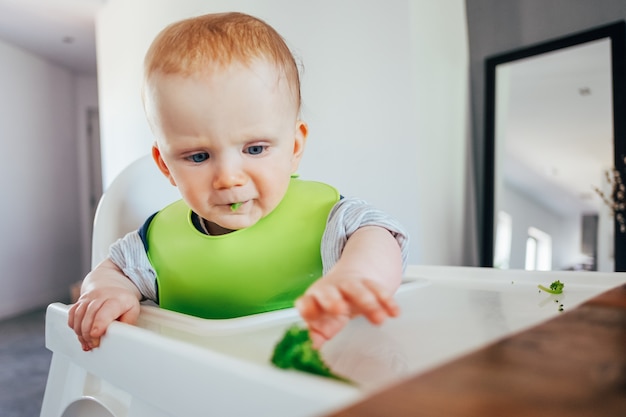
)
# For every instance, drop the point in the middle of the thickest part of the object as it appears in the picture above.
(554, 128)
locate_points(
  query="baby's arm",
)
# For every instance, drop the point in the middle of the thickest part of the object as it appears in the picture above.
(364, 253)
(362, 282)
(106, 295)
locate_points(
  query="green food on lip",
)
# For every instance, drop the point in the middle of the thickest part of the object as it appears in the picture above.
(295, 351)
(235, 206)
(555, 288)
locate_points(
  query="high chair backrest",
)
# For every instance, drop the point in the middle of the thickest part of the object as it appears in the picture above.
(137, 192)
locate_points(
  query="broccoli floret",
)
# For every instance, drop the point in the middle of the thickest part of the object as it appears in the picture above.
(296, 351)
(235, 206)
(555, 288)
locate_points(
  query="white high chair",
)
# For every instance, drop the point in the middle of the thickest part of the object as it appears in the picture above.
(152, 369)
(173, 365)
(139, 191)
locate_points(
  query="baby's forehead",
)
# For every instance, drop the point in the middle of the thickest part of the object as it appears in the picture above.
(271, 74)
(260, 67)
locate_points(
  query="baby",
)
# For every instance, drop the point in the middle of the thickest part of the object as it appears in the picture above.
(222, 96)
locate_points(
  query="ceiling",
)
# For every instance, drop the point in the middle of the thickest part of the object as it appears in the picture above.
(61, 31)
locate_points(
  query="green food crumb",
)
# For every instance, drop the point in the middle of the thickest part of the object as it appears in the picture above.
(235, 206)
(555, 288)
(295, 351)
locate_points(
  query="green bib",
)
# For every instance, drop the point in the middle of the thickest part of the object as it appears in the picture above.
(261, 268)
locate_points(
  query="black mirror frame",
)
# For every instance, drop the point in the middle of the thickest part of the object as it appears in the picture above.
(617, 33)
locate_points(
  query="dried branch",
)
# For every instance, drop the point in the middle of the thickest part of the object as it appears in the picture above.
(616, 201)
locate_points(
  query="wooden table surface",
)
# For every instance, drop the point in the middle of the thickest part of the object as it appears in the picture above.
(571, 366)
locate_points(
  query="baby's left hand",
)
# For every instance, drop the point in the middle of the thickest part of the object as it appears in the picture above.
(333, 300)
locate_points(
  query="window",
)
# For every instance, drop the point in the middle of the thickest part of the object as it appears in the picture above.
(538, 250)
(531, 253)
(502, 248)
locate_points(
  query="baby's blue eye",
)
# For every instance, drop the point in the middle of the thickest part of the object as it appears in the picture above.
(199, 157)
(255, 149)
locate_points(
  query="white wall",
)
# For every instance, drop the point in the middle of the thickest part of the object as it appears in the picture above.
(40, 230)
(86, 91)
(384, 92)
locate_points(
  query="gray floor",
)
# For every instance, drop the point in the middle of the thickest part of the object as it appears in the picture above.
(24, 363)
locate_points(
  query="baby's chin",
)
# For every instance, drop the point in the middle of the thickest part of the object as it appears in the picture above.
(224, 226)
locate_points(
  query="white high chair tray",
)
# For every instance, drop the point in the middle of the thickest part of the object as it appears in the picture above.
(171, 364)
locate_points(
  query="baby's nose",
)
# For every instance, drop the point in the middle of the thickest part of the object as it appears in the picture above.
(228, 176)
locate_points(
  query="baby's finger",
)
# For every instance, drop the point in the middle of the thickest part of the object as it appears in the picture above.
(76, 317)
(385, 298)
(108, 312)
(71, 315)
(364, 301)
(131, 316)
(317, 338)
(84, 345)
(86, 325)
(329, 299)
(308, 307)
(73, 318)
(325, 328)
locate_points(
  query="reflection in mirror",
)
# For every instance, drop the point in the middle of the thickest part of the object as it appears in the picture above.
(554, 139)
(550, 142)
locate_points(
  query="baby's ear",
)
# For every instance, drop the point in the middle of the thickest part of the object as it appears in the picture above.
(156, 155)
(301, 133)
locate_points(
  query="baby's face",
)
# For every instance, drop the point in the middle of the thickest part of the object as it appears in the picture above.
(229, 137)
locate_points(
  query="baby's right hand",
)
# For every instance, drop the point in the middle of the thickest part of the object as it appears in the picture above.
(107, 295)
(95, 310)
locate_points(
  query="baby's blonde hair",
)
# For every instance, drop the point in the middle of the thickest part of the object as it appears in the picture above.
(212, 41)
